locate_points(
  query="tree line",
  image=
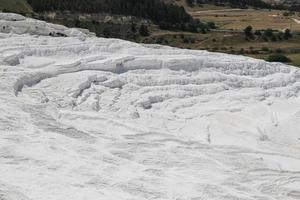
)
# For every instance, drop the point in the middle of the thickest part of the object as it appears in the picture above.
(167, 16)
(233, 3)
(154, 10)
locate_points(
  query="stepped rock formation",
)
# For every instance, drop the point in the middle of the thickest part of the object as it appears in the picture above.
(83, 118)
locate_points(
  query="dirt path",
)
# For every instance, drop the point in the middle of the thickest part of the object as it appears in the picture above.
(223, 10)
(296, 20)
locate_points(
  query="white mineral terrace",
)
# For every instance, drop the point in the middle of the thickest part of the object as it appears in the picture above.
(87, 118)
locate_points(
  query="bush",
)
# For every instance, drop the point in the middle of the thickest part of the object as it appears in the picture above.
(242, 51)
(211, 25)
(279, 51)
(295, 50)
(286, 13)
(268, 33)
(159, 40)
(257, 33)
(280, 36)
(273, 38)
(278, 58)
(144, 30)
(107, 31)
(287, 34)
(133, 28)
(186, 40)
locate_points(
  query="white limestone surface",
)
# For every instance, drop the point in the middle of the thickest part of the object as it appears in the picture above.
(86, 118)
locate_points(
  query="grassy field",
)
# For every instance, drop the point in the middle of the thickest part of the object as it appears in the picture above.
(205, 7)
(295, 58)
(230, 43)
(234, 42)
(18, 6)
(258, 19)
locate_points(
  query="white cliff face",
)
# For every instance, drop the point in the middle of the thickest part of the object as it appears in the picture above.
(91, 118)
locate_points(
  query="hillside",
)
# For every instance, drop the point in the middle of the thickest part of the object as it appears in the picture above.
(149, 9)
(18, 6)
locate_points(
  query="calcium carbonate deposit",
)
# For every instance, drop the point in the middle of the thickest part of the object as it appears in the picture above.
(87, 118)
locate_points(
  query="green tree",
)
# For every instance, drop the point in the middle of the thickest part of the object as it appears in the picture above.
(211, 25)
(144, 30)
(248, 32)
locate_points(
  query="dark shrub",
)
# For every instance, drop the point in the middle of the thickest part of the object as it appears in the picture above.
(278, 58)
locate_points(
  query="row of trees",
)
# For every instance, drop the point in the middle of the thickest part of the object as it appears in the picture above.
(167, 16)
(268, 34)
(155, 10)
(232, 3)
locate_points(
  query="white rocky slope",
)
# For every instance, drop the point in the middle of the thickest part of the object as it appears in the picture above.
(86, 118)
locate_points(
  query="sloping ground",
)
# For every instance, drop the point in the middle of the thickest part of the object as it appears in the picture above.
(91, 118)
(18, 6)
